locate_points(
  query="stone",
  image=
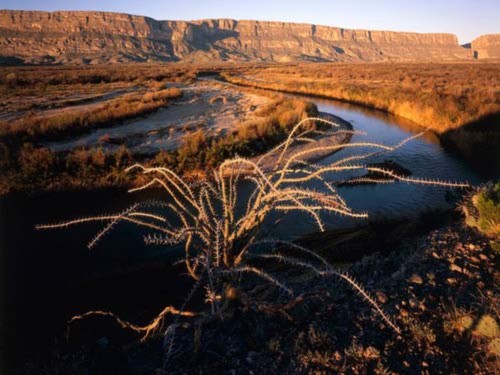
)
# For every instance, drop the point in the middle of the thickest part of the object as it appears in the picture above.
(416, 279)
(487, 326)
(486, 47)
(454, 267)
(474, 259)
(494, 347)
(381, 297)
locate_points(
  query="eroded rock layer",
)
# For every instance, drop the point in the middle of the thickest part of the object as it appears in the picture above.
(486, 46)
(95, 37)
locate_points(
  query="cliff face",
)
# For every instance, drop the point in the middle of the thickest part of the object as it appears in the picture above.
(94, 37)
(486, 46)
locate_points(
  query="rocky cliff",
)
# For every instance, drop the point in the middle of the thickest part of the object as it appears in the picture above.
(486, 46)
(95, 37)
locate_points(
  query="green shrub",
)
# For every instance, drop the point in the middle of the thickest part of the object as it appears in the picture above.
(482, 211)
(487, 203)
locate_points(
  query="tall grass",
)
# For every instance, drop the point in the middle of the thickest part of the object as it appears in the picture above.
(440, 96)
(221, 230)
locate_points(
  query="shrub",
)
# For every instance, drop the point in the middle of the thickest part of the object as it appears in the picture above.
(488, 205)
(222, 242)
(35, 162)
(482, 210)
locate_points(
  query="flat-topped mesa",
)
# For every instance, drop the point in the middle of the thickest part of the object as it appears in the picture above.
(486, 46)
(94, 37)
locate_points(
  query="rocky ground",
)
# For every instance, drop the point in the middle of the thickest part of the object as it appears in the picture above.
(441, 290)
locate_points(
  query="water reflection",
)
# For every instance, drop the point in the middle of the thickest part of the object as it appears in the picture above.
(423, 156)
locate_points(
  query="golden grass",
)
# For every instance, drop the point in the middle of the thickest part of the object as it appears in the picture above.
(439, 96)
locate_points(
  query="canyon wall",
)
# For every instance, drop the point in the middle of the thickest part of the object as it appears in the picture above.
(99, 37)
(486, 46)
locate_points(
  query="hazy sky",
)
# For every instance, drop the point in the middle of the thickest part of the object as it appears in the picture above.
(465, 18)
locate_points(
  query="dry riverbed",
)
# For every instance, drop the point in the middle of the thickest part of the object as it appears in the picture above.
(206, 105)
(57, 101)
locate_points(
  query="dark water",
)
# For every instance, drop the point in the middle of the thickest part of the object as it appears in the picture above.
(48, 277)
(423, 156)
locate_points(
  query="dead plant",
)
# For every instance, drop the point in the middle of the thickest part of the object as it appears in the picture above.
(223, 237)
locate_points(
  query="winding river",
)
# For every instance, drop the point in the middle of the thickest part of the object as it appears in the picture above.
(423, 156)
(51, 276)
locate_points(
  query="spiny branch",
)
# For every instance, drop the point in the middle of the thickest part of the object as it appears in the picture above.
(147, 330)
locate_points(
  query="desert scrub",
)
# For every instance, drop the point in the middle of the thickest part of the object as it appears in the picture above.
(94, 167)
(221, 229)
(32, 168)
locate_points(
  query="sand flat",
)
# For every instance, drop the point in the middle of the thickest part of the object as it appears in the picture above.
(208, 105)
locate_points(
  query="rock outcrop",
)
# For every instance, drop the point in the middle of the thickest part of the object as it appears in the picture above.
(95, 37)
(486, 46)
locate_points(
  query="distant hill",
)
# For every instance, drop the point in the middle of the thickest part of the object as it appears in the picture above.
(99, 37)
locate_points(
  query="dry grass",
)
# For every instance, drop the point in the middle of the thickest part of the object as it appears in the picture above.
(222, 243)
(93, 168)
(271, 125)
(440, 96)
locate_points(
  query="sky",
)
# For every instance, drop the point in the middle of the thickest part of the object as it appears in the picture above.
(465, 18)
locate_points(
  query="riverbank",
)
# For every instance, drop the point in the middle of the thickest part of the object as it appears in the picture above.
(341, 135)
(439, 287)
(212, 123)
(467, 121)
(438, 96)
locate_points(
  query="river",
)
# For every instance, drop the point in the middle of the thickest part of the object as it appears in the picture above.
(50, 276)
